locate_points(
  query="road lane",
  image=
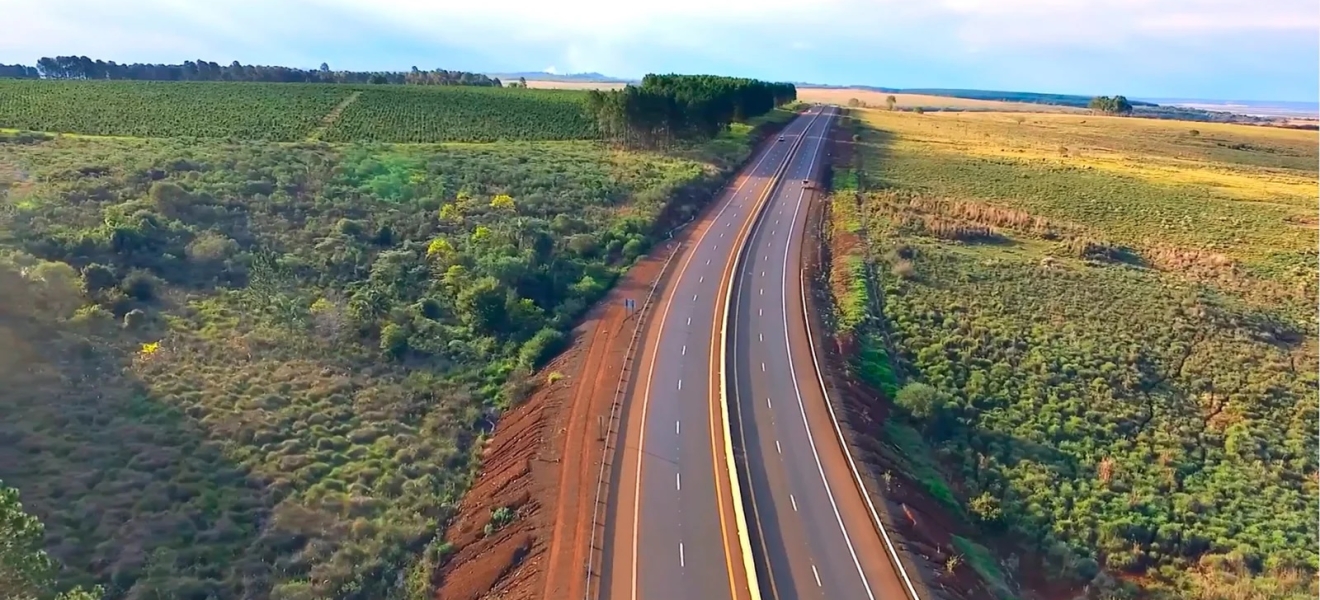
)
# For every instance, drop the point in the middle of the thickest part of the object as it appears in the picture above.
(669, 527)
(819, 540)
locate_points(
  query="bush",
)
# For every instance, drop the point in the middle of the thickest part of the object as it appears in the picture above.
(141, 285)
(97, 277)
(542, 346)
(135, 319)
(393, 340)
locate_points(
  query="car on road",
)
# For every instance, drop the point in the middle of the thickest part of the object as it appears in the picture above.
(781, 138)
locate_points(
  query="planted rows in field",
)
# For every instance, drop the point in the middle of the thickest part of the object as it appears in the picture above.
(462, 114)
(282, 112)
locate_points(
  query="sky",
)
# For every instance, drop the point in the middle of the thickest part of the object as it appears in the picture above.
(1208, 49)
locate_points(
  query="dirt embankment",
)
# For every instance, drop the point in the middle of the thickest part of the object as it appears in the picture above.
(543, 463)
(523, 531)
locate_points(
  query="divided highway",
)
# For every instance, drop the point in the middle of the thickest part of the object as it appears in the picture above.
(671, 529)
(818, 537)
(672, 521)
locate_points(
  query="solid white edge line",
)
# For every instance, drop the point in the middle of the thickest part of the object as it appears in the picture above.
(811, 440)
(852, 465)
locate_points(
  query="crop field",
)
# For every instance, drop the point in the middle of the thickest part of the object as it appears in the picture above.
(282, 112)
(250, 369)
(288, 112)
(1105, 331)
(463, 114)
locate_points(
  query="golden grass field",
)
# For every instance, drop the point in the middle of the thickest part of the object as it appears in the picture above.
(1244, 191)
(841, 96)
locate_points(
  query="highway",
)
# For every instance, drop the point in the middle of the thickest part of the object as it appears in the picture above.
(670, 530)
(818, 537)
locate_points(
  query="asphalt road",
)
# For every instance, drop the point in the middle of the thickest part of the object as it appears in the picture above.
(670, 530)
(818, 538)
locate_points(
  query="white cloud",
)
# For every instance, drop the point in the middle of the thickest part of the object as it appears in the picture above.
(597, 27)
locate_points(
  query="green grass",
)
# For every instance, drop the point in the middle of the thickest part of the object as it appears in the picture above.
(918, 461)
(1125, 409)
(874, 367)
(984, 564)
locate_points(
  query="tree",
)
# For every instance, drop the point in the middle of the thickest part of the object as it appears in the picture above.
(1115, 105)
(482, 306)
(439, 248)
(854, 103)
(920, 400)
(393, 340)
(26, 571)
(891, 101)
(502, 202)
(325, 68)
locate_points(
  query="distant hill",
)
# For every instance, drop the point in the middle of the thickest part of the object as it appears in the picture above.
(577, 77)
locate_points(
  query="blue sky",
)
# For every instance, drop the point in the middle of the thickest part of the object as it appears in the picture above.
(1213, 49)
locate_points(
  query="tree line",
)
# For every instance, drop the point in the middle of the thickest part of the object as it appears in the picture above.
(82, 67)
(668, 108)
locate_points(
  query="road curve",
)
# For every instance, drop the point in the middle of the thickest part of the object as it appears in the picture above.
(669, 522)
(817, 535)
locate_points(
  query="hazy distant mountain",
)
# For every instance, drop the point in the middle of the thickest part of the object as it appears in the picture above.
(546, 76)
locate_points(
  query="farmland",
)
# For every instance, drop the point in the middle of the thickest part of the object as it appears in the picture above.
(463, 114)
(292, 112)
(1104, 331)
(257, 369)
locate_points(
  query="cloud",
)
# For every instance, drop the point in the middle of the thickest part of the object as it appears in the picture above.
(1058, 44)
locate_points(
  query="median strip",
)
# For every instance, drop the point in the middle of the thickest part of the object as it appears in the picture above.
(740, 518)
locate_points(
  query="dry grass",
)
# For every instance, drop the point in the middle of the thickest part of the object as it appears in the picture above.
(841, 96)
(1158, 151)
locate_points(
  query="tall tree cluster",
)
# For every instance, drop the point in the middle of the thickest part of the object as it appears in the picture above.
(1113, 105)
(668, 108)
(82, 67)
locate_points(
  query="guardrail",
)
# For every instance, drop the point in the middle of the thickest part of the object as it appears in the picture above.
(740, 518)
(847, 453)
(610, 425)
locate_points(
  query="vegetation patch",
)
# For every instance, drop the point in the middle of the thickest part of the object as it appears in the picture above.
(985, 565)
(245, 369)
(290, 112)
(282, 112)
(1118, 378)
(462, 114)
